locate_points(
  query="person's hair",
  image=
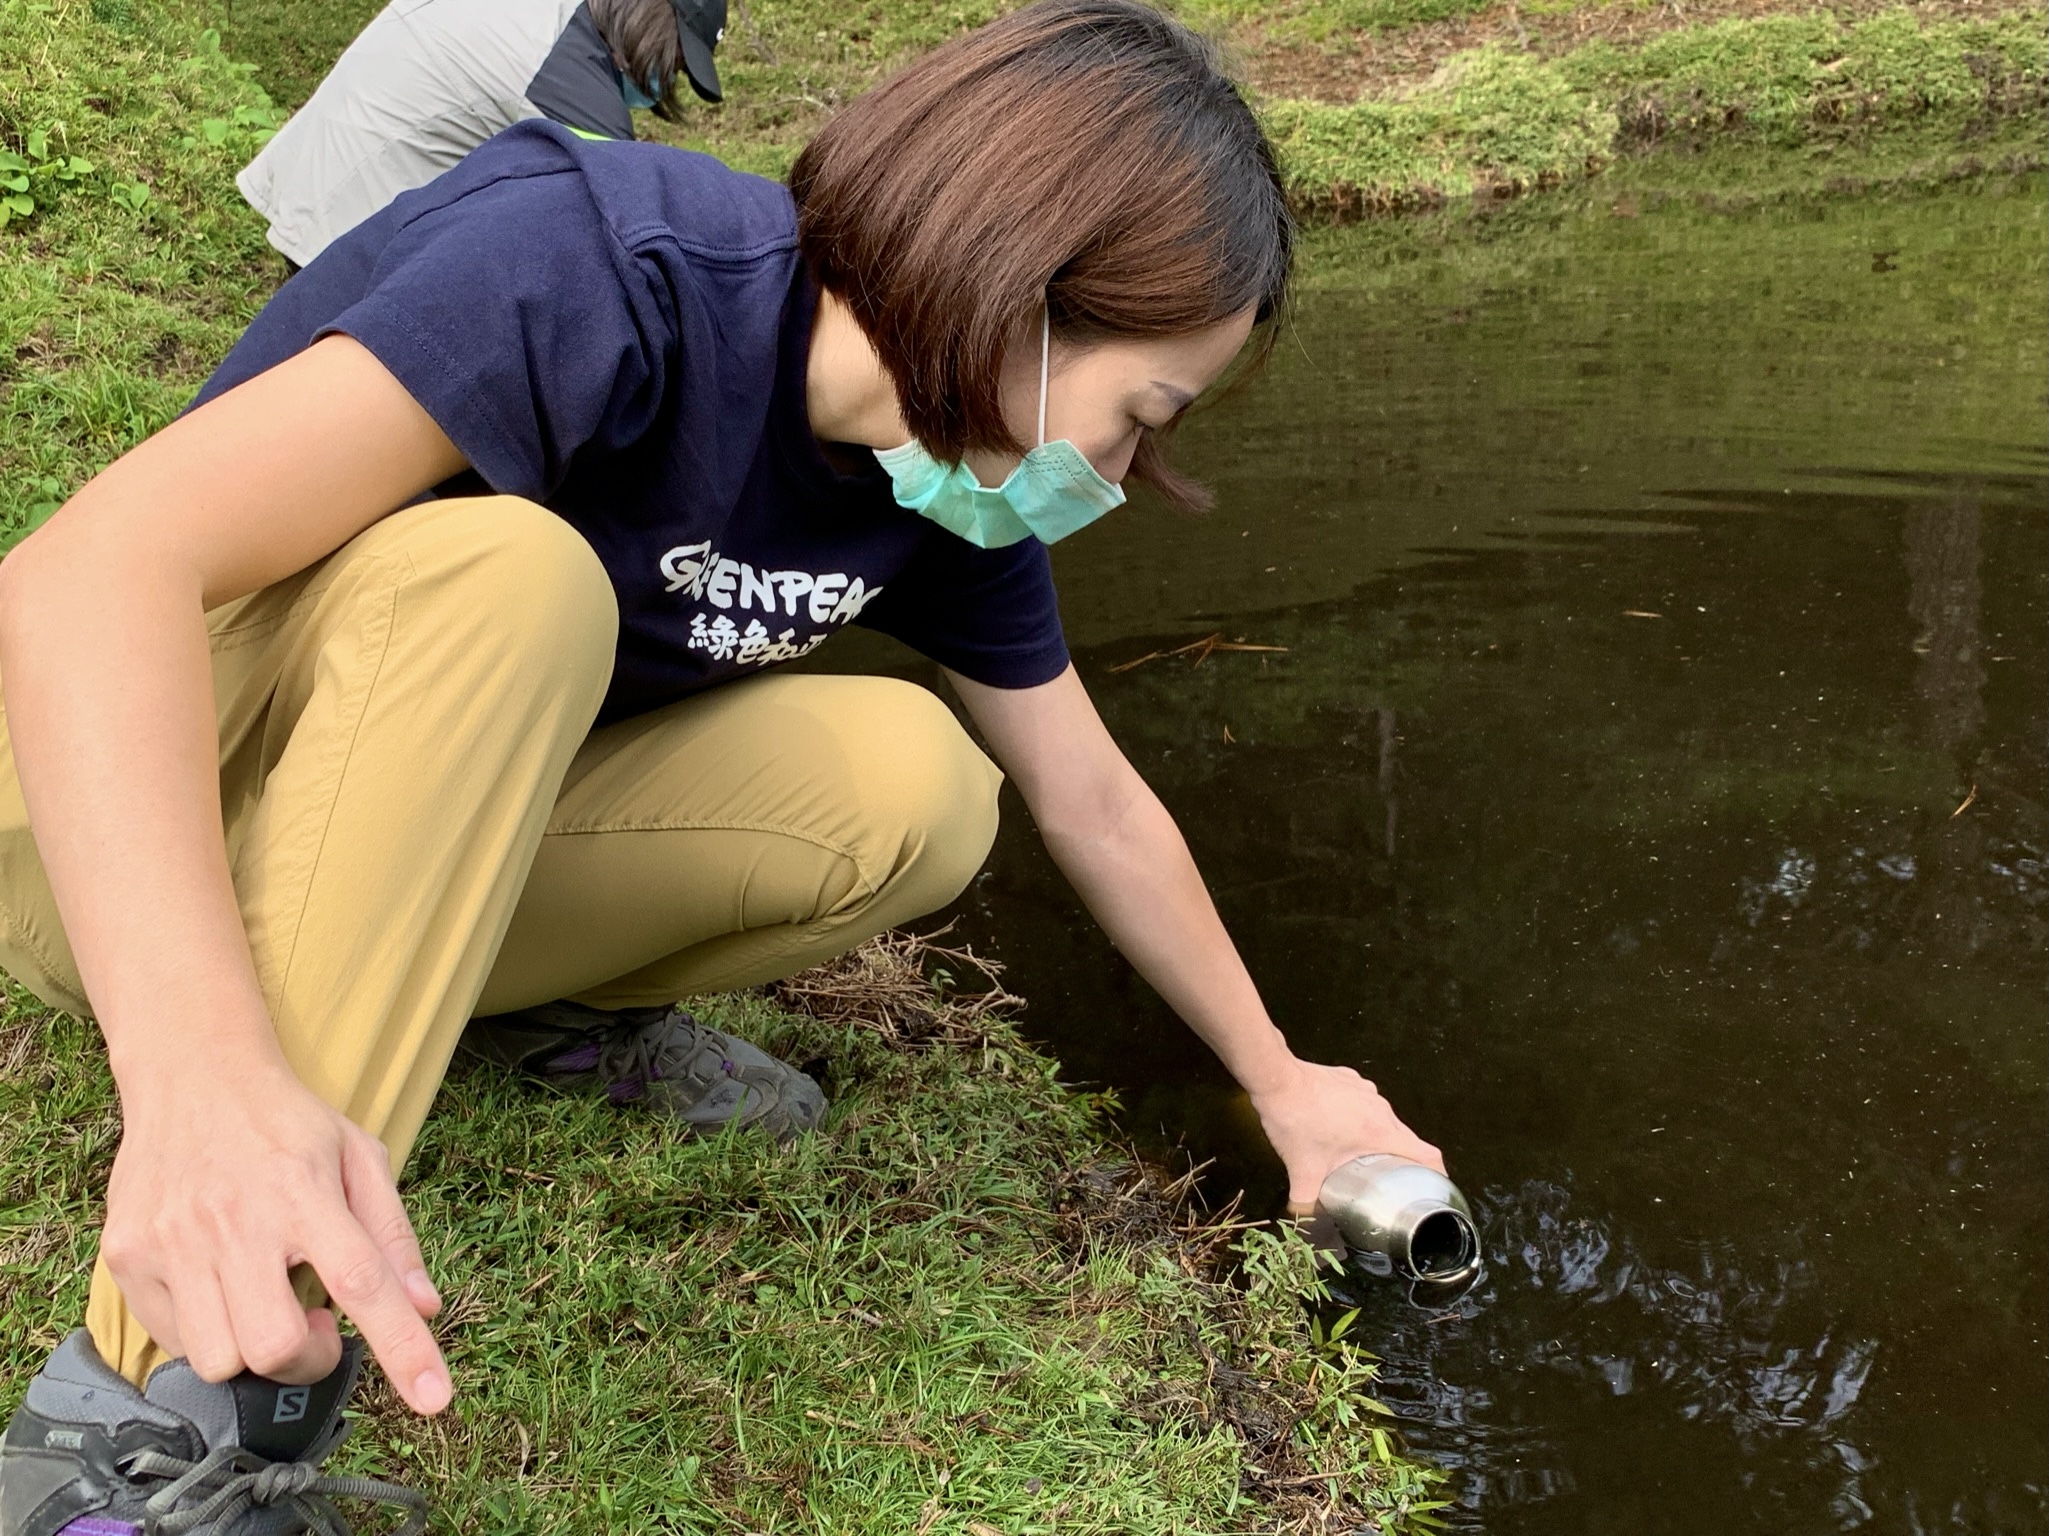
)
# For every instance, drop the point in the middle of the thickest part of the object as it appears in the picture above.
(1090, 154)
(644, 44)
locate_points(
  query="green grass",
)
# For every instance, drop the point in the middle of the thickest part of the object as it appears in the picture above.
(1512, 121)
(1784, 77)
(1492, 118)
(125, 285)
(1323, 21)
(960, 1309)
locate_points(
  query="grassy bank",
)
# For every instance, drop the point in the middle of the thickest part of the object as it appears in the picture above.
(1510, 114)
(1500, 120)
(1382, 104)
(961, 1310)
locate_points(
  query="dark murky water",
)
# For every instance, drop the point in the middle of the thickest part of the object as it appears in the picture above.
(1655, 590)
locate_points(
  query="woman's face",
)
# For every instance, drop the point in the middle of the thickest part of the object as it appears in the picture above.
(1103, 395)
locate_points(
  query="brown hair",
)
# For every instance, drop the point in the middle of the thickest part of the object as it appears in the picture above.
(1087, 153)
(644, 44)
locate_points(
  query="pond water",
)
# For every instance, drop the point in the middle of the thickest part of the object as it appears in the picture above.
(1658, 582)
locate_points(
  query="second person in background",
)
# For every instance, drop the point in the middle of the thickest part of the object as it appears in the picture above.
(429, 80)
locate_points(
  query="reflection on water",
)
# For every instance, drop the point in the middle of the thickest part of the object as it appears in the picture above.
(1650, 796)
(1709, 1340)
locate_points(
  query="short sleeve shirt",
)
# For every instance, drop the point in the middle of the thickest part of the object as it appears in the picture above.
(620, 332)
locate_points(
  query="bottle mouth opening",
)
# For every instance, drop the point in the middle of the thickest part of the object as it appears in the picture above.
(1443, 1246)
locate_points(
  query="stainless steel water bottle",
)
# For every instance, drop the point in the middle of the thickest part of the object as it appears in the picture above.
(1400, 1218)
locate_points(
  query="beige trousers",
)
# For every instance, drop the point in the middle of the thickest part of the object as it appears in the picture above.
(422, 825)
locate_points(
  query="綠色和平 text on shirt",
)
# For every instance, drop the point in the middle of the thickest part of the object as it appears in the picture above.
(831, 598)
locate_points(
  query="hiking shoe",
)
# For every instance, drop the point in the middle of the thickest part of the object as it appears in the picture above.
(87, 1454)
(660, 1057)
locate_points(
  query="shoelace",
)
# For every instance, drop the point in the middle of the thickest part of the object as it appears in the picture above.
(236, 1481)
(629, 1057)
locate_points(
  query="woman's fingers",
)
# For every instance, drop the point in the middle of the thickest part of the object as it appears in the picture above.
(368, 1291)
(150, 1302)
(323, 1341)
(205, 1330)
(205, 1228)
(271, 1327)
(373, 1197)
(1388, 1134)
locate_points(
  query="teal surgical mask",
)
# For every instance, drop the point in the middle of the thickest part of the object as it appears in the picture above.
(1053, 492)
(639, 98)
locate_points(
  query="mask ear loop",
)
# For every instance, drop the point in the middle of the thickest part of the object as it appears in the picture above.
(1045, 364)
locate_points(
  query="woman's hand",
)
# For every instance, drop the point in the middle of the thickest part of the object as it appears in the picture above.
(1318, 1117)
(228, 1178)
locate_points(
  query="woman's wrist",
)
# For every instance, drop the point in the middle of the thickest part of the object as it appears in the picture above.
(1270, 1071)
(164, 1064)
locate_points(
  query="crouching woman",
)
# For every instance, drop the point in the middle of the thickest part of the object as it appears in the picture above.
(424, 671)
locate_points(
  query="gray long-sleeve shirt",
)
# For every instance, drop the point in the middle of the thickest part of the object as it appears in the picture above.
(425, 83)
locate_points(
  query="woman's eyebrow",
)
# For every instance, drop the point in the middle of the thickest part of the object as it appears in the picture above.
(1180, 397)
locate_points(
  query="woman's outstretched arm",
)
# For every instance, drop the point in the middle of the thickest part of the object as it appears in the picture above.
(1113, 839)
(230, 1171)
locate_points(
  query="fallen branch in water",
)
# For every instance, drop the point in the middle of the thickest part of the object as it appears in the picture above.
(1201, 649)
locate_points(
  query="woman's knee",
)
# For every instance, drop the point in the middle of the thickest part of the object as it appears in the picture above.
(488, 576)
(928, 794)
(524, 581)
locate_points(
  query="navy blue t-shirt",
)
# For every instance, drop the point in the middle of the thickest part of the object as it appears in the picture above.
(619, 332)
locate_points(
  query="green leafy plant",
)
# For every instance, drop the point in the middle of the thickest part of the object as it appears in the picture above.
(33, 170)
(258, 123)
(247, 125)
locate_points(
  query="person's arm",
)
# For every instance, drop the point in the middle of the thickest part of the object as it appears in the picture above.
(230, 1171)
(1113, 839)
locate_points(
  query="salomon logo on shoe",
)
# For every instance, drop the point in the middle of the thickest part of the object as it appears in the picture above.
(291, 1405)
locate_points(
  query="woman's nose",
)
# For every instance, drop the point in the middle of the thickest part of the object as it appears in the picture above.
(1115, 465)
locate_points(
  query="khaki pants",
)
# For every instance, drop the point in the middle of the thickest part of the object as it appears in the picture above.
(422, 825)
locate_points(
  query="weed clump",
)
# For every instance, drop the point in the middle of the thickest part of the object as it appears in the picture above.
(906, 989)
(1492, 119)
(1789, 78)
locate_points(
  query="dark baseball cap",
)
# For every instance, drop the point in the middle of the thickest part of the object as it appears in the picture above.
(700, 25)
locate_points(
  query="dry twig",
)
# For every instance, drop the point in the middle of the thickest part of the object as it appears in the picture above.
(1201, 650)
(888, 985)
